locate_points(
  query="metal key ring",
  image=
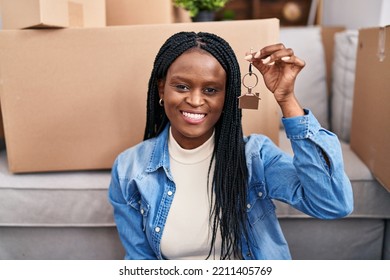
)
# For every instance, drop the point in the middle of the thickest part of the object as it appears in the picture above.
(250, 74)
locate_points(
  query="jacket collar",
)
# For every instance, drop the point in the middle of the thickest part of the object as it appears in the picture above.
(160, 154)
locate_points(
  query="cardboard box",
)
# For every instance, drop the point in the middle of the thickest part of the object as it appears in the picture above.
(22, 14)
(73, 99)
(93, 12)
(370, 130)
(34, 13)
(129, 12)
(1, 126)
(181, 15)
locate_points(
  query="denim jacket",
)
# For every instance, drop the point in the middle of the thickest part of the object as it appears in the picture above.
(142, 189)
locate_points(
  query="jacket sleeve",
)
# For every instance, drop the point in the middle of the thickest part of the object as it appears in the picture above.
(128, 216)
(314, 181)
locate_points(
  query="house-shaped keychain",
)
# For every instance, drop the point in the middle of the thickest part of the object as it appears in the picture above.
(249, 100)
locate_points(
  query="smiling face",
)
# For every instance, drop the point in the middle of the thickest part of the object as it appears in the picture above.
(194, 94)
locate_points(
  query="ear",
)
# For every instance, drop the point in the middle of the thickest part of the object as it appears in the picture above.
(161, 85)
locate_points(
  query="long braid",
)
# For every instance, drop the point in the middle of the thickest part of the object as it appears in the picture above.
(173, 48)
(228, 212)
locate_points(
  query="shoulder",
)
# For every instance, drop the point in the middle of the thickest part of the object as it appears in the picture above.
(144, 156)
(261, 147)
(136, 158)
(137, 150)
(257, 140)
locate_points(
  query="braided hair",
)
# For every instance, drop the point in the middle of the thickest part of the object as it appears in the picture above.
(229, 182)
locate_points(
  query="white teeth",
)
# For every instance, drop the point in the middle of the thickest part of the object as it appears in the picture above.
(193, 116)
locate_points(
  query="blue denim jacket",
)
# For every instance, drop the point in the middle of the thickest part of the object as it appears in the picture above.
(142, 189)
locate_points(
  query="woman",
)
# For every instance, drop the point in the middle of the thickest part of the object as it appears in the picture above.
(195, 188)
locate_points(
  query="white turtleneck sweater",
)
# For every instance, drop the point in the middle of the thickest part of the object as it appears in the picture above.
(187, 232)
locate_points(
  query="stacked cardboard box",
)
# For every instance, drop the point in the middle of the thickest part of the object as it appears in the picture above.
(73, 98)
(52, 13)
(129, 12)
(24, 14)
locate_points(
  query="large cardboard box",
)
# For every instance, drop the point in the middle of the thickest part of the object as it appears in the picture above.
(129, 12)
(1, 127)
(73, 99)
(370, 130)
(22, 14)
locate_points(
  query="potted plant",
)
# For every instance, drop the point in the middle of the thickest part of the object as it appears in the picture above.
(201, 10)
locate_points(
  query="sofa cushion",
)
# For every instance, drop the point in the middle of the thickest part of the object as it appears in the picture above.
(343, 82)
(311, 86)
(76, 199)
(59, 215)
(342, 239)
(386, 241)
(60, 243)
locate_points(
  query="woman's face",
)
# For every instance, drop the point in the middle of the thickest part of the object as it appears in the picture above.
(194, 95)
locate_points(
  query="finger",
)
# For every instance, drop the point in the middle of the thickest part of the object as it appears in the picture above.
(264, 52)
(268, 50)
(248, 57)
(293, 60)
(275, 51)
(267, 58)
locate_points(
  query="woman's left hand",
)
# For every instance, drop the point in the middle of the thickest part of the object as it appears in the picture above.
(279, 67)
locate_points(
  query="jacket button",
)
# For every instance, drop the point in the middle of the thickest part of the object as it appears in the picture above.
(260, 194)
(142, 211)
(248, 205)
(170, 193)
(157, 229)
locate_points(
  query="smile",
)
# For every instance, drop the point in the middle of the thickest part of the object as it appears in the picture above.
(193, 116)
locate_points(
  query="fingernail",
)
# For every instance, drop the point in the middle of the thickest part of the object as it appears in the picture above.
(285, 58)
(257, 55)
(266, 60)
(248, 57)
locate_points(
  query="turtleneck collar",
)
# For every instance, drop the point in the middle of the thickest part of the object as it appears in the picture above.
(191, 156)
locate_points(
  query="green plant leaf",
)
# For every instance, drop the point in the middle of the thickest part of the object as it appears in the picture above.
(194, 6)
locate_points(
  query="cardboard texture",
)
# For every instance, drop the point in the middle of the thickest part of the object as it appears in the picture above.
(1, 126)
(73, 99)
(76, 14)
(93, 12)
(370, 130)
(180, 15)
(34, 13)
(129, 12)
(23, 14)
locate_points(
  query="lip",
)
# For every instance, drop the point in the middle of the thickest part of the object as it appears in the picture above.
(193, 117)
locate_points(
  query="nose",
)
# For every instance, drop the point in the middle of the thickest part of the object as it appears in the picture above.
(195, 98)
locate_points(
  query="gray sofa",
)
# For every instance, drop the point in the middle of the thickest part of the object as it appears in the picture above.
(327, 87)
(66, 215)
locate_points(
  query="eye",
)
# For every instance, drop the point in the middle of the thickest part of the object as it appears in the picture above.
(210, 91)
(181, 87)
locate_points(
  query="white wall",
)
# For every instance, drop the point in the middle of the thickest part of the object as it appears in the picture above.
(355, 14)
(385, 16)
